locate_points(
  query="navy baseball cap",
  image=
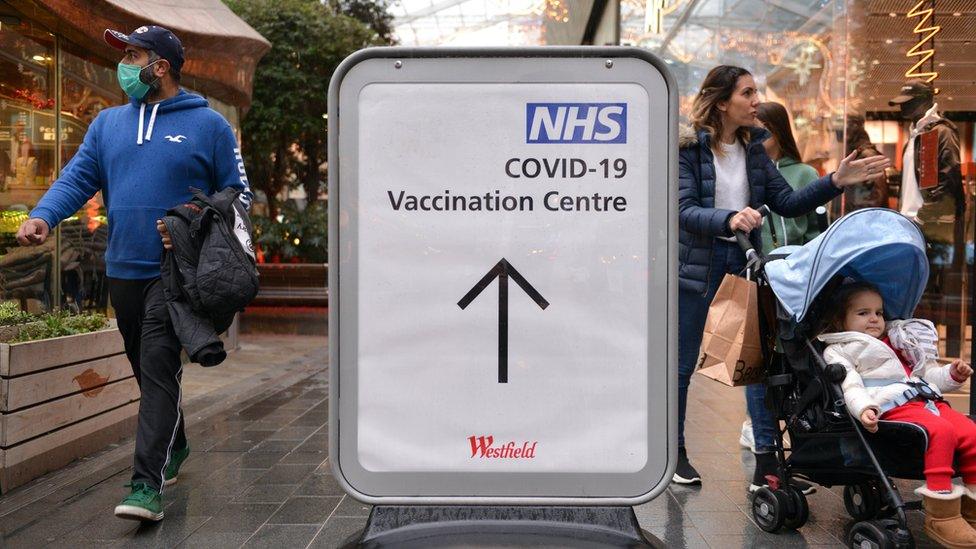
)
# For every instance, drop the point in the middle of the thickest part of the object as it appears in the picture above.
(151, 37)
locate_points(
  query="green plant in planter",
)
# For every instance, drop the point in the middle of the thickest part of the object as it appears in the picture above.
(61, 323)
(10, 314)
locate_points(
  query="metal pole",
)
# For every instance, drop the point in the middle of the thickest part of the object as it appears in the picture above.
(972, 292)
(56, 263)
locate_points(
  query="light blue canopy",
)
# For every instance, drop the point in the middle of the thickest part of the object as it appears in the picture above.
(875, 245)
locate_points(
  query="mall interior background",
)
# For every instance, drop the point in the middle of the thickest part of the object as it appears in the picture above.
(56, 74)
(832, 63)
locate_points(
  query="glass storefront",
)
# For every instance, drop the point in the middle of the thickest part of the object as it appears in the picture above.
(29, 150)
(50, 91)
(835, 65)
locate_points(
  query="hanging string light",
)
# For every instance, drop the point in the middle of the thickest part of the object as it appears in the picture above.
(557, 10)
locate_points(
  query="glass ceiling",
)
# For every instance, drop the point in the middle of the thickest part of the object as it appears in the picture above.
(701, 31)
(469, 22)
(681, 29)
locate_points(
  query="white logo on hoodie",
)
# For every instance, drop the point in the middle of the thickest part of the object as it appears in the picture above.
(177, 139)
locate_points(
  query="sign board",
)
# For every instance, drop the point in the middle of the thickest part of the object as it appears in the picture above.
(503, 313)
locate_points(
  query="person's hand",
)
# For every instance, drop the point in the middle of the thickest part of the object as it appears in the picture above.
(960, 370)
(745, 220)
(869, 418)
(852, 172)
(164, 234)
(32, 232)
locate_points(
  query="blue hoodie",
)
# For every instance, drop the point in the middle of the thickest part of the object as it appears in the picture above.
(144, 158)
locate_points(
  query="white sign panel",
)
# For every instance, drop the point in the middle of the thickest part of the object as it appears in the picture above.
(502, 257)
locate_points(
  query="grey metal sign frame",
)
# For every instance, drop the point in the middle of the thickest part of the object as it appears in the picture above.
(574, 65)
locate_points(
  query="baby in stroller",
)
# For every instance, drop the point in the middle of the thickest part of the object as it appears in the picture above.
(892, 374)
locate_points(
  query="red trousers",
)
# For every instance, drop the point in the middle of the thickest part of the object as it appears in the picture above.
(949, 433)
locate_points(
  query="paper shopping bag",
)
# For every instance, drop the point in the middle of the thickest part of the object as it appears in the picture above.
(730, 350)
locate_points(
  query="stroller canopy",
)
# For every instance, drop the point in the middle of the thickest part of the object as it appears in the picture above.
(875, 245)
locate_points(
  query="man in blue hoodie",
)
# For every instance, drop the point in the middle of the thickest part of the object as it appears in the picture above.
(144, 157)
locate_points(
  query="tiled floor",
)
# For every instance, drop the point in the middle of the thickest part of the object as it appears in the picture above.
(259, 477)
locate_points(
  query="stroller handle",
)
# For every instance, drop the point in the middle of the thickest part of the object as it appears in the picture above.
(743, 239)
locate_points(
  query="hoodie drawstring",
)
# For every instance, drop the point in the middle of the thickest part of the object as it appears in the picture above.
(152, 122)
(142, 112)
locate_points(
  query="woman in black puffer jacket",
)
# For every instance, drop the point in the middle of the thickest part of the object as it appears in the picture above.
(725, 175)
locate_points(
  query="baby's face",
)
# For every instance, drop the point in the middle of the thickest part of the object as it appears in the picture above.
(865, 314)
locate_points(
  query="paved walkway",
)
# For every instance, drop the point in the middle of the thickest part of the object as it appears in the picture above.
(259, 474)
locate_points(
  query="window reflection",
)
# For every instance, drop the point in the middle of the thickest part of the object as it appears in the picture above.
(88, 85)
(27, 158)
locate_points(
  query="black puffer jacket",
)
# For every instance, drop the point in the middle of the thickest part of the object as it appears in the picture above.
(210, 274)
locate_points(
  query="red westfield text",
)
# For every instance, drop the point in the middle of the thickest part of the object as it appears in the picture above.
(483, 446)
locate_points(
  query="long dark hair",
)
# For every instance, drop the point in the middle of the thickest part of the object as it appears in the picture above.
(833, 319)
(777, 121)
(857, 136)
(719, 85)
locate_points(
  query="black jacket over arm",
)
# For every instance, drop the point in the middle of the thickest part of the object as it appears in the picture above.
(210, 274)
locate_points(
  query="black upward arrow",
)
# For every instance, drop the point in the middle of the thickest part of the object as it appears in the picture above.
(503, 269)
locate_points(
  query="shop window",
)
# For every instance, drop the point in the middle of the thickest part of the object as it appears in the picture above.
(88, 85)
(28, 159)
(878, 38)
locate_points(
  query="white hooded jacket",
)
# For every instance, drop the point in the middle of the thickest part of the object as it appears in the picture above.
(868, 358)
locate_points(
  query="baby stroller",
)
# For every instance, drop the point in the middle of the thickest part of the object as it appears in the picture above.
(827, 445)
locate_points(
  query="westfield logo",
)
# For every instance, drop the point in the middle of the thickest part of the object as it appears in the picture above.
(483, 447)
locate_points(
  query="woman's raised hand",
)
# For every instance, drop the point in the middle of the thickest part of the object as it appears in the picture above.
(852, 172)
(745, 220)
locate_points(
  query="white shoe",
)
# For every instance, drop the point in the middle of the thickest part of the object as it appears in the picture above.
(745, 437)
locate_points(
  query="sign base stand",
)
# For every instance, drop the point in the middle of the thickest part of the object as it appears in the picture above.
(509, 526)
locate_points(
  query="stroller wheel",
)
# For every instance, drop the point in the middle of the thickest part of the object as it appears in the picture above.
(799, 510)
(862, 501)
(769, 508)
(879, 534)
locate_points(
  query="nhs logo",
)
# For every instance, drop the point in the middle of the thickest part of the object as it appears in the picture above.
(576, 123)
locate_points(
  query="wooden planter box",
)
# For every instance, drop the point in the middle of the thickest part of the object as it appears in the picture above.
(62, 399)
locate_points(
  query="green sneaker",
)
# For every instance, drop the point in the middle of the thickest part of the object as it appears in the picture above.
(143, 503)
(176, 459)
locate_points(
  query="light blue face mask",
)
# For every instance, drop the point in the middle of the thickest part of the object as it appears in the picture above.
(129, 80)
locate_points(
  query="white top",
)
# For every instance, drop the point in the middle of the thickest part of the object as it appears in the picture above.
(731, 180)
(911, 195)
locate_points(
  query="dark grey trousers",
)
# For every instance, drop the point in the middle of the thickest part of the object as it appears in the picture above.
(154, 352)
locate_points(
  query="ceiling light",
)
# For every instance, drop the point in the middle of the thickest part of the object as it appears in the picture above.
(889, 41)
(39, 58)
(892, 14)
(956, 14)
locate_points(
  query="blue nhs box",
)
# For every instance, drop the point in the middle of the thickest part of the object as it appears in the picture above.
(576, 123)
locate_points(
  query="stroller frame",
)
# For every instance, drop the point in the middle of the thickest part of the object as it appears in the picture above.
(870, 496)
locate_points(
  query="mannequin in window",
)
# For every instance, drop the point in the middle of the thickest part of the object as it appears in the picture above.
(932, 196)
(937, 198)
